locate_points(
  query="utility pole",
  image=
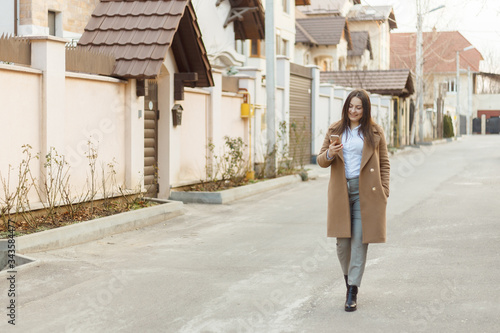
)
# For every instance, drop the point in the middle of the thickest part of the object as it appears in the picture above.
(457, 109)
(469, 111)
(419, 114)
(470, 47)
(420, 82)
(270, 89)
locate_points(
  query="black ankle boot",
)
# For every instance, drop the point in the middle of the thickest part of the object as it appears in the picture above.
(346, 281)
(351, 298)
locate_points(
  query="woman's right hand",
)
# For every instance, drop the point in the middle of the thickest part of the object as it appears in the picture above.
(334, 148)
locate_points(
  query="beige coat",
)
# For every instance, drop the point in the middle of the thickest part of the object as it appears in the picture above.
(373, 190)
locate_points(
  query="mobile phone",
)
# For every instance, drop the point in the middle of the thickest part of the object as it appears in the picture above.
(334, 138)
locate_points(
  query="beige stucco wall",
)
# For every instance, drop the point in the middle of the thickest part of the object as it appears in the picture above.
(95, 109)
(95, 113)
(190, 140)
(20, 125)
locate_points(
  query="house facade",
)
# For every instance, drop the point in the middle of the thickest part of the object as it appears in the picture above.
(61, 18)
(328, 51)
(378, 21)
(442, 90)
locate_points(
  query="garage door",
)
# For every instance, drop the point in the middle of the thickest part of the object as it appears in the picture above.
(300, 114)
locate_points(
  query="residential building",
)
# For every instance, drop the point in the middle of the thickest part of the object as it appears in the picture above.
(328, 51)
(440, 50)
(61, 18)
(369, 28)
(378, 21)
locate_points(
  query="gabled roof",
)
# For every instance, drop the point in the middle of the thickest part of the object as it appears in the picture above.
(360, 43)
(383, 82)
(373, 13)
(139, 34)
(249, 19)
(440, 49)
(327, 30)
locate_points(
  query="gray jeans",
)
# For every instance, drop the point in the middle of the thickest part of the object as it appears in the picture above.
(352, 251)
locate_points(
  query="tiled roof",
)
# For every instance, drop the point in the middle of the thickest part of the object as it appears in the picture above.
(373, 13)
(139, 34)
(384, 82)
(321, 30)
(439, 51)
(360, 43)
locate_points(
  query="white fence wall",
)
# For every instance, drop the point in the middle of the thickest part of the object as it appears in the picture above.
(20, 98)
(331, 101)
(48, 108)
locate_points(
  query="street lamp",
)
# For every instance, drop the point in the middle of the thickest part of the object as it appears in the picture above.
(457, 110)
(420, 74)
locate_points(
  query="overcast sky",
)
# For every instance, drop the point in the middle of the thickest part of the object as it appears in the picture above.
(477, 20)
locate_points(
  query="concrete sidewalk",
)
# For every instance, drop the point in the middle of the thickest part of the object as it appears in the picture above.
(263, 264)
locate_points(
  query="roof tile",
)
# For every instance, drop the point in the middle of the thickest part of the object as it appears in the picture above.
(324, 30)
(109, 22)
(140, 32)
(101, 9)
(95, 24)
(385, 82)
(127, 8)
(114, 8)
(152, 7)
(87, 37)
(101, 37)
(159, 52)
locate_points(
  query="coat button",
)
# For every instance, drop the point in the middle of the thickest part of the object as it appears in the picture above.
(373, 188)
(372, 170)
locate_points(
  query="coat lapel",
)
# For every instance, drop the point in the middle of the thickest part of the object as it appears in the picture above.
(369, 150)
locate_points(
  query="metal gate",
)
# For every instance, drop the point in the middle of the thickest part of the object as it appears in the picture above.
(493, 125)
(300, 114)
(476, 125)
(151, 116)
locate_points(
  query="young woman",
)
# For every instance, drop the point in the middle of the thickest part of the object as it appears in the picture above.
(356, 152)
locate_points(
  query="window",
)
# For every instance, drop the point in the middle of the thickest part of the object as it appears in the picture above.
(452, 85)
(52, 23)
(286, 7)
(284, 47)
(258, 48)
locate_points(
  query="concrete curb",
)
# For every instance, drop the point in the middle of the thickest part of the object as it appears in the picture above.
(232, 194)
(21, 262)
(406, 149)
(94, 229)
(437, 142)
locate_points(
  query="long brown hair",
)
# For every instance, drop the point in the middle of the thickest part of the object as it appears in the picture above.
(366, 121)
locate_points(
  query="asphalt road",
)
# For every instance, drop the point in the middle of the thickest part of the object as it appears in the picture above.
(263, 264)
